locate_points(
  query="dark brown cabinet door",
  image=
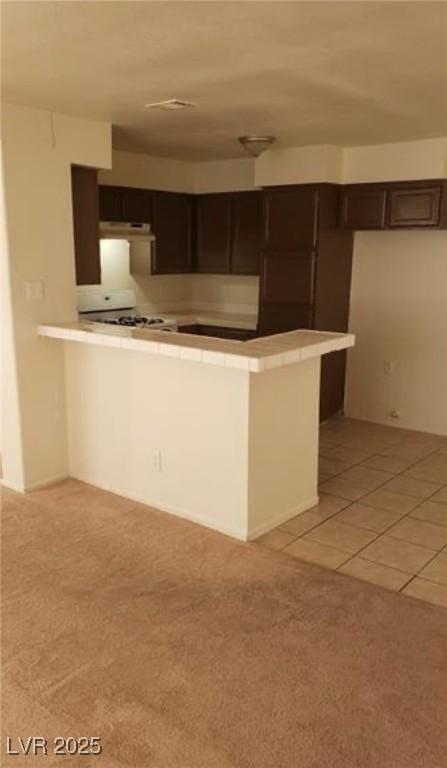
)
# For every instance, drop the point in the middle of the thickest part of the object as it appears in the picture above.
(110, 203)
(363, 207)
(171, 224)
(136, 204)
(247, 233)
(416, 207)
(213, 234)
(286, 291)
(287, 276)
(290, 217)
(84, 185)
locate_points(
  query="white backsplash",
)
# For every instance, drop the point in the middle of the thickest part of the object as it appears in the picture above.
(169, 293)
(225, 293)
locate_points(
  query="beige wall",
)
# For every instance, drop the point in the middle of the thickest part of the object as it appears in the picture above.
(225, 293)
(396, 162)
(37, 150)
(399, 315)
(225, 176)
(382, 162)
(288, 165)
(10, 421)
(135, 170)
(130, 169)
(299, 165)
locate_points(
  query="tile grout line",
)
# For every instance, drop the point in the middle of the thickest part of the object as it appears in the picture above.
(407, 514)
(399, 493)
(382, 533)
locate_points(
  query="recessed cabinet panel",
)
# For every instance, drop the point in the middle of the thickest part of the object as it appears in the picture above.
(136, 204)
(110, 208)
(290, 217)
(287, 276)
(213, 234)
(415, 207)
(172, 215)
(125, 204)
(247, 233)
(84, 185)
(363, 207)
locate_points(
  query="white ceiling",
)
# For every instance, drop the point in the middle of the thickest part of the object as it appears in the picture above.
(344, 73)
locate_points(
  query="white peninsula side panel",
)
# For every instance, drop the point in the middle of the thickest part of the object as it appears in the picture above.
(125, 409)
(283, 444)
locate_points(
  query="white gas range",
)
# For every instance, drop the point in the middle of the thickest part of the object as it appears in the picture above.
(119, 308)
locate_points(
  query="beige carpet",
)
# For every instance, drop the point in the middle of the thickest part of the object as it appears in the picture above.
(181, 648)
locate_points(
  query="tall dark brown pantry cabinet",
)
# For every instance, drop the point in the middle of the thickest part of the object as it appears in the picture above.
(305, 280)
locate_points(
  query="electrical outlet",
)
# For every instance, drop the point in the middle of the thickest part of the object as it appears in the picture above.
(156, 461)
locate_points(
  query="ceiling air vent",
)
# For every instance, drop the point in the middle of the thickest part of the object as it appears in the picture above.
(171, 104)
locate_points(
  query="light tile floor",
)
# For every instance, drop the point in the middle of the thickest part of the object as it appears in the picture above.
(382, 515)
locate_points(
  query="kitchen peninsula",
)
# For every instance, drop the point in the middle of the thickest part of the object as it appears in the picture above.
(222, 432)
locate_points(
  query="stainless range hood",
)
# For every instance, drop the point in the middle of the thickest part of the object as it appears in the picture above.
(126, 230)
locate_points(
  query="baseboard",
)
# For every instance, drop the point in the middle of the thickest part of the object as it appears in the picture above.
(4, 483)
(48, 481)
(273, 522)
(182, 513)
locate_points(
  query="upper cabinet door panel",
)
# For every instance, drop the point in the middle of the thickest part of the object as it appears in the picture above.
(418, 207)
(213, 233)
(290, 217)
(136, 204)
(110, 203)
(363, 207)
(247, 233)
(86, 225)
(172, 215)
(287, 277)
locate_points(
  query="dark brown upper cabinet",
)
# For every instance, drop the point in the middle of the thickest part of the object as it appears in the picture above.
(136, 204)
(415, 207)
(290, 217)
(395, 205)
(363, 207)
(110, 207)
(213, 233)
(247, 233)
(125, 204)
(172, 226)
(84, 185)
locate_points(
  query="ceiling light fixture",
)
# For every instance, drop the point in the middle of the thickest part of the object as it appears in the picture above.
(256, 145)
(171, 104)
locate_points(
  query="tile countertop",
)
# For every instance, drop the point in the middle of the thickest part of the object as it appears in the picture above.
(255, 355)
